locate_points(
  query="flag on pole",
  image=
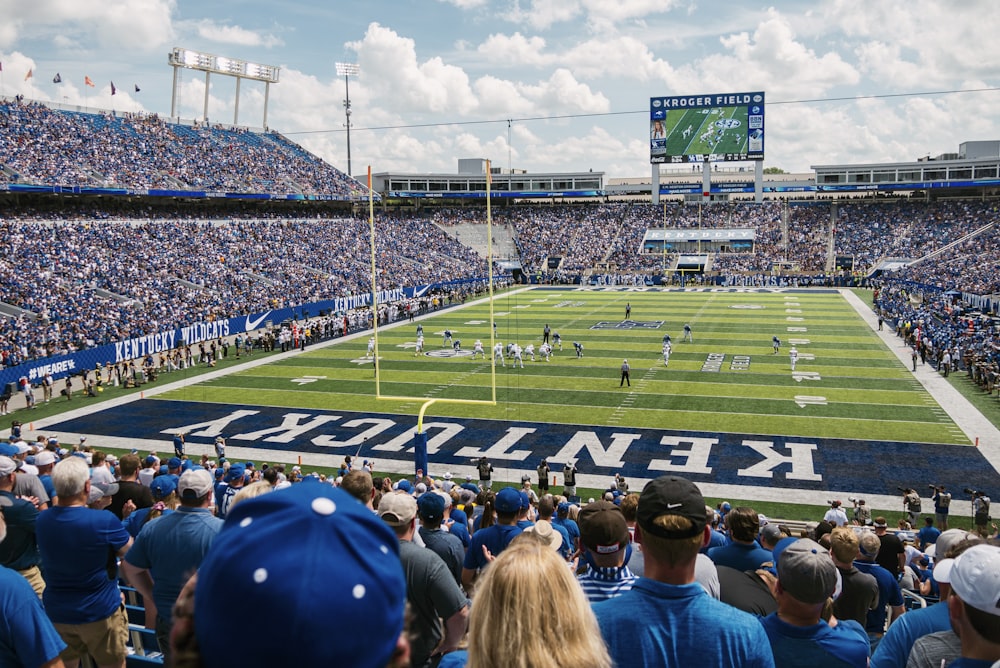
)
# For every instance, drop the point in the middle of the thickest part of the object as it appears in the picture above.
(57, 78)
(137, 88)
(88, 81)
(113, 89)
(30, 74)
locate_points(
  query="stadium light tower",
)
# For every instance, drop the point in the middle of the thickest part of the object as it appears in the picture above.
(347, 70)
(230, 67)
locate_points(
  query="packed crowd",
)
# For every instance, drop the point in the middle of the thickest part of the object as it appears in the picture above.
(434, 572)
(44, 146)
(941, 331)
(83, 281)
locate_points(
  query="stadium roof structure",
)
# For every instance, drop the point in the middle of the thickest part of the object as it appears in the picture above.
(503, 185)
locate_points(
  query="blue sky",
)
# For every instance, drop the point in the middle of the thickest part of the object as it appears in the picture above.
(460, 69)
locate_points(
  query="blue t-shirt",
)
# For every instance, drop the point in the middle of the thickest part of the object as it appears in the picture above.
(572, 528)
(27, 637)
(657, 625)
(889, 593)
(717, 539)
(78, 547)
(894, 649)
(171, 548)
(740, 556)
(844, 646)
(928, 536)
(496, 538)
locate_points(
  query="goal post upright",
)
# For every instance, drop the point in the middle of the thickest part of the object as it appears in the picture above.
(420, 436)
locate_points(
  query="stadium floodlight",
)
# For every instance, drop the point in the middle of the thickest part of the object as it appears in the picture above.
(230, 67)
(348, 70)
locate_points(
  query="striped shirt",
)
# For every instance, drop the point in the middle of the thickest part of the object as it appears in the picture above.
(600, 584)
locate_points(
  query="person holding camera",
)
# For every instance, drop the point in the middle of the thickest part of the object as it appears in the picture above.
(981, 511)
(942, 501)
(911, 501)
(862, 513)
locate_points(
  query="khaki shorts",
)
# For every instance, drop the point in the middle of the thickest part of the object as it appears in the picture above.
(103, 640)
(34, 577)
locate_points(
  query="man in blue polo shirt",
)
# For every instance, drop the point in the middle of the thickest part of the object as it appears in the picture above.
(170, 548)
(494, 538)
(653, 624)
(807, 577)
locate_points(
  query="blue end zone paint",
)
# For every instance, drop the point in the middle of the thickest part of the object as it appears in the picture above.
(865, 467)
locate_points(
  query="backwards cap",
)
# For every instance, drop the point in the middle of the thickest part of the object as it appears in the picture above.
(292, 592)
(671, 495)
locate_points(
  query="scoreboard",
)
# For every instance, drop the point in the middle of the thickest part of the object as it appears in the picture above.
(722, 127)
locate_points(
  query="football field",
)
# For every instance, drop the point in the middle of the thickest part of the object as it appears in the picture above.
(727, 411)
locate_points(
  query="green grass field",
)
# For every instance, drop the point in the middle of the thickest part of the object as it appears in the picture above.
(866, 392)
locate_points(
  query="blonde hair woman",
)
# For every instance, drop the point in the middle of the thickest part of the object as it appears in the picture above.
(527, 597)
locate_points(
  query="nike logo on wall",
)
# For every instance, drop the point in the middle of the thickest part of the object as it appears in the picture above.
(254, 324)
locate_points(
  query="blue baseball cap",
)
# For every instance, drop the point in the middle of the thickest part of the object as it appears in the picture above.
(525, 501)
(162, 486)
(174, 463)
(404, 486)
(430, 506)
(150, 460)
(8, 450)
(287, 592)
(235, 471)
(508, 500)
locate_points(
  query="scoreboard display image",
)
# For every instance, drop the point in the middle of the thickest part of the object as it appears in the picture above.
(724, 127)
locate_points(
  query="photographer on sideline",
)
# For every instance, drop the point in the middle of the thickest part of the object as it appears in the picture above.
(981, 511)
(862, 513)
(942, 500)
(911, 500)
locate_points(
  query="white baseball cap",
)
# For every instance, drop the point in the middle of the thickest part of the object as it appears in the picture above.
(975, 578)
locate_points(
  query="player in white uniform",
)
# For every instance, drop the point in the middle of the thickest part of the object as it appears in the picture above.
(687, 333)
(557, 340)
(371, 347)
(498, 354)
(666, 353)
(477, 349)
(793, 356)
(545, 350)
(579, 348)
(530, 351)
(517, 356)
(420, 345)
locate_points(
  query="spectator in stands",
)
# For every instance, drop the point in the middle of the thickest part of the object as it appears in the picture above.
(167, 552)
(799, 636)
(890, 595)
(972, 606)
(493, 538)
(891, 554)
(27, 637)
(860, 591)
(358, 483)
(283, 592)
(433, 594)
(899, 639)
(604, 537)
(430, 510)
(743, 552)
(81, 593)
(672, 529)
(559, 631)
(129, 487)
(165, 501)
(19, 552)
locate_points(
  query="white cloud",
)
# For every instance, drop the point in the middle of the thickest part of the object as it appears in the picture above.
(233, 34)
(542, 14)
(466, 4)
(122, 24)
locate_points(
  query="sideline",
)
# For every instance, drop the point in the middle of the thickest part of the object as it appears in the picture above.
(968, 418)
